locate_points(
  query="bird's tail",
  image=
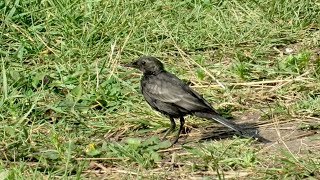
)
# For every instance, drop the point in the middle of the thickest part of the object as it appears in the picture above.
(232, 126)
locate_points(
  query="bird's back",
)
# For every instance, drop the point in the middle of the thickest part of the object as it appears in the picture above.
(164, 90)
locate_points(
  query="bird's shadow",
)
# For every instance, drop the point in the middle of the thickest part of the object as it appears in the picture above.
(220, 133)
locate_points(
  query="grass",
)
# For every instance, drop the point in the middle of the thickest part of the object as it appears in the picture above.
(68, 109)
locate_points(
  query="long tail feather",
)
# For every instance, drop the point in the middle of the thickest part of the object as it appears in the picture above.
(233, 126)
(227, 123)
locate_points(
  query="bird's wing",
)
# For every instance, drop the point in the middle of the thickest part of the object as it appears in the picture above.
(167, 88)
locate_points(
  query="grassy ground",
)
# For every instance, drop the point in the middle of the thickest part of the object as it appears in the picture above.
(68, 109)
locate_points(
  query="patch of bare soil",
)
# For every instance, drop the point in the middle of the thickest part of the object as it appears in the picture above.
(295, 135)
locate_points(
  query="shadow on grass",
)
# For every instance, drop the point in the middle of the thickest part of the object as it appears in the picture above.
(220, 133)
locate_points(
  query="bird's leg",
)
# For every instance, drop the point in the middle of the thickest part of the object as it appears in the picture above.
(180, 129)
(172, 127)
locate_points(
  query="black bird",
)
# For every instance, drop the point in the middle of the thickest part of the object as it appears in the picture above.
(169, 95)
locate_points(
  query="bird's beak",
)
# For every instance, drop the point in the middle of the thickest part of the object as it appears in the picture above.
(132, 65)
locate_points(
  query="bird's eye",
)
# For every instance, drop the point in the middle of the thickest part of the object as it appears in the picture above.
(143, 62)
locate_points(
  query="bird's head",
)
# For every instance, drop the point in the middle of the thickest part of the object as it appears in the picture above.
(147, 64)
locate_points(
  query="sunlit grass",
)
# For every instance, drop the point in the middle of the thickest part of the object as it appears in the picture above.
(69, 109)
